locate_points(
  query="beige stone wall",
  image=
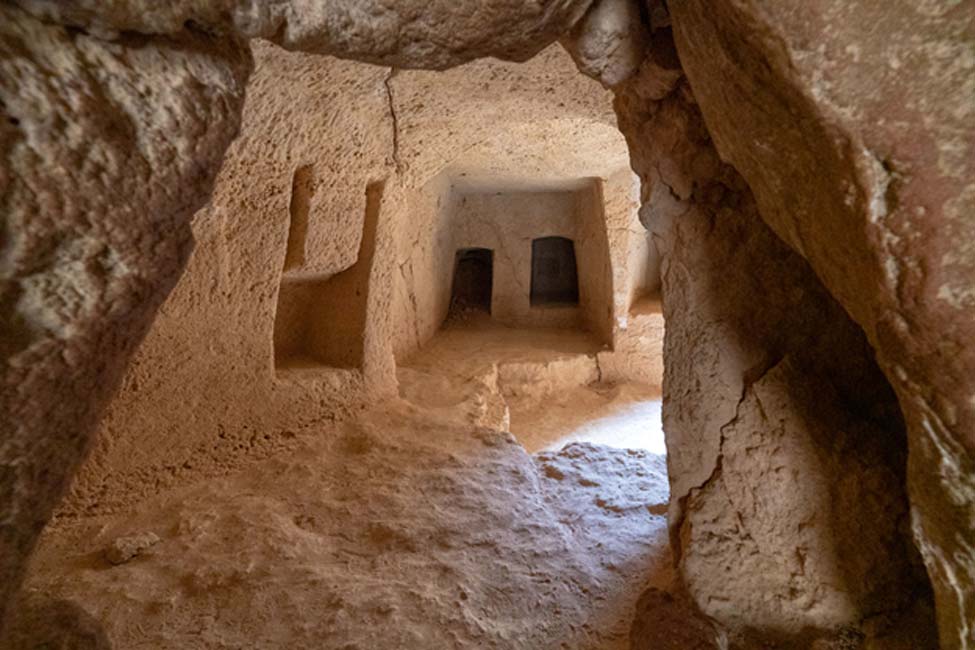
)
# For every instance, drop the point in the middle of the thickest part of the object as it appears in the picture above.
(106, 151)
(615, 258)
(506, 223)
(203, 391)
(616, 261)
(279, 321)
(878, 210)
(597, 259)
(424, 253)
(559, 130)
(851, 122)
(638, 322)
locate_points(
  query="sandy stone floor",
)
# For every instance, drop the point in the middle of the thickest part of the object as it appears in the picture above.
(625, 416)
(548, 379)
(422, 525)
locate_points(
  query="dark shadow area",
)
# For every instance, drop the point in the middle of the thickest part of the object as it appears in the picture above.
(473, 280)
(555, 280)
(40, 622)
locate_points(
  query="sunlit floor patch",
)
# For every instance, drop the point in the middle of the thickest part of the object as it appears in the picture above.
(626, 416)
(542, 385)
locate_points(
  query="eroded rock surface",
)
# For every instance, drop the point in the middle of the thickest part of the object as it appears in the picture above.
(852, 124)
(787, 465)
(391, 532)
(106, 150)
(418, 34)
(608, 43)
(773, 406)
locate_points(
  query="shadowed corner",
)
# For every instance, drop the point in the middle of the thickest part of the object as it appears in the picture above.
(39, 621)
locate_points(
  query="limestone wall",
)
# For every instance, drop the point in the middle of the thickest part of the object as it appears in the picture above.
(471, 206)
(499, 127)
(852, 125)
(424, 260)
(507, 223)
(293, 303)
(855, 145)
(597, 258)
(786, 447)
(203, 388)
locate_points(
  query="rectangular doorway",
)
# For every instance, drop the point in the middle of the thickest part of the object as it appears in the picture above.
(555, 279)
(473, 280)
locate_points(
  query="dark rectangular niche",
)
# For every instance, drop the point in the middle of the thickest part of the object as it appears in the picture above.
(473, 280)
(555, 279)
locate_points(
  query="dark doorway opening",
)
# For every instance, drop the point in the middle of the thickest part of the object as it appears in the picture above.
(473, 280)
(554, 277)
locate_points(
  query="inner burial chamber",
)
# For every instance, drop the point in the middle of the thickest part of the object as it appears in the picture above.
(555, 279)
(553, 264)
(473, 280)
(539, 293)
